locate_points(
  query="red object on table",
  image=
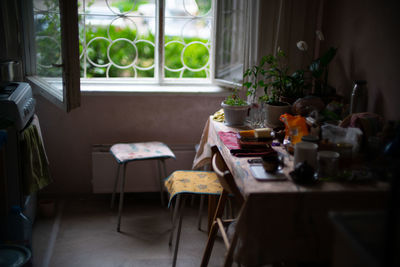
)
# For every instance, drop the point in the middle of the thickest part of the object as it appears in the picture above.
(231, 141)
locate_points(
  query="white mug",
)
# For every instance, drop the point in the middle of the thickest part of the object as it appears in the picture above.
(306, 151)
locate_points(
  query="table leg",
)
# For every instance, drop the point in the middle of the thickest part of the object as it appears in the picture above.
(212, 207)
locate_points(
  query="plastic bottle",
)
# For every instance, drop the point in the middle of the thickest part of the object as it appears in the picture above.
(359, 99)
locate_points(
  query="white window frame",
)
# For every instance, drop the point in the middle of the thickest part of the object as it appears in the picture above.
(251, 44)
(73, 86)
(70, 96)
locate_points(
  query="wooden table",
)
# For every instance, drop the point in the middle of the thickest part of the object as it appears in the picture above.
(283, 221)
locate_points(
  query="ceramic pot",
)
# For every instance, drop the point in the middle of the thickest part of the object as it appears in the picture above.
(273, 113)
(235, 115)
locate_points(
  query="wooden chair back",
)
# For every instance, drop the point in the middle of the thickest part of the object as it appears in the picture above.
(225, 177)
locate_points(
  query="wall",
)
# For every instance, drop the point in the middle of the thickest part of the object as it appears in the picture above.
(110, 119)
(366, 34)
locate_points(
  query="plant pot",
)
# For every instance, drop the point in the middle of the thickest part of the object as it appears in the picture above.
(273, 113)
(235, 115)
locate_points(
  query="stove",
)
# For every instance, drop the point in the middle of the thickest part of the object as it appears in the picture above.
(17, 103)
(18, 210)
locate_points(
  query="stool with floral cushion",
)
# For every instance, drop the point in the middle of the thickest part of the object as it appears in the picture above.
(128, 152)
(182, 183)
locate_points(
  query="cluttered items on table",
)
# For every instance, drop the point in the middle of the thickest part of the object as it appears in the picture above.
(249, 143)
(349, 147)
(344, 147)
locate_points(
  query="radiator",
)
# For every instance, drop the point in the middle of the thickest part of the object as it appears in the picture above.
(140, 175)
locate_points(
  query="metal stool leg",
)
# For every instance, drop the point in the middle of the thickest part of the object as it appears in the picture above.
(162, 175)
(121, 197)
(115, 186)
(174, 216)
(200, 212)
(178, 233)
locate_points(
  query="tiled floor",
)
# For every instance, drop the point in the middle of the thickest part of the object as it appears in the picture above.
(83, 233)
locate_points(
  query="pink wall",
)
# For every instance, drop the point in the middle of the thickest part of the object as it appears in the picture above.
(109, 119)
(366, 34)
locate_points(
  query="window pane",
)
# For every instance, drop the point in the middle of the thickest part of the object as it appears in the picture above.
(188, 38)
(230, 40)
(52, 63)
(47, 38)
(117, 38)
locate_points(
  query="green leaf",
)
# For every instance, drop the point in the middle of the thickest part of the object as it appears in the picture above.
(315, 68)
(263, 60)
(247, 84)
(328, 56)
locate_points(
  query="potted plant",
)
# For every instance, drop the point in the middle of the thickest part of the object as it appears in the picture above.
(235, 109)
(319, 72)
(254, 77)
(277, 83)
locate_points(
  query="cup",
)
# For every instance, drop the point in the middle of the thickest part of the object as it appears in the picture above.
(305, 151)
(328, 163)
(272, 163)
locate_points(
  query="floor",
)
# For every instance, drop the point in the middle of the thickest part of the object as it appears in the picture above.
(82, 232)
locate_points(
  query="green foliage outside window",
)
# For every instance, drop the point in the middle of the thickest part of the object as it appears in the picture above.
(47, 27)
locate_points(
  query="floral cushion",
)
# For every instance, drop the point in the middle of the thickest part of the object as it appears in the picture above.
(140, 151)
(197, 182)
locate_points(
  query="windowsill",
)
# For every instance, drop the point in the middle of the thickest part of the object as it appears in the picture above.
(151, 89)
(107, 88)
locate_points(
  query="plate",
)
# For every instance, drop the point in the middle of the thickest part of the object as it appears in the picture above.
(258, 171)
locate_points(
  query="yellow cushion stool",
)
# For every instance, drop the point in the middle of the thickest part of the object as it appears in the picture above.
(188, 182)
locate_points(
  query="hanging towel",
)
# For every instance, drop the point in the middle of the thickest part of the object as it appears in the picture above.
(35, 164)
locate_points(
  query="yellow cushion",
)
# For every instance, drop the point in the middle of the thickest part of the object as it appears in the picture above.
(196, 182)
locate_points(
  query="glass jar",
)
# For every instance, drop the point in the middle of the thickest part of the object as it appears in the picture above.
(359, 100)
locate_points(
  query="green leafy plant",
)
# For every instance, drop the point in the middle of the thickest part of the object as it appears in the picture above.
(235, 100)
(255, 77)
(319, 72)
(318, 69)
(275, 79)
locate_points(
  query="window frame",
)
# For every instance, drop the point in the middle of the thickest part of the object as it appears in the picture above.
(159, 78)
(74, 85)
(71, 93)
(251, 43)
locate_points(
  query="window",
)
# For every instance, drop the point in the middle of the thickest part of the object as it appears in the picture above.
(50, 30)
(135, 41)
(119, 39)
